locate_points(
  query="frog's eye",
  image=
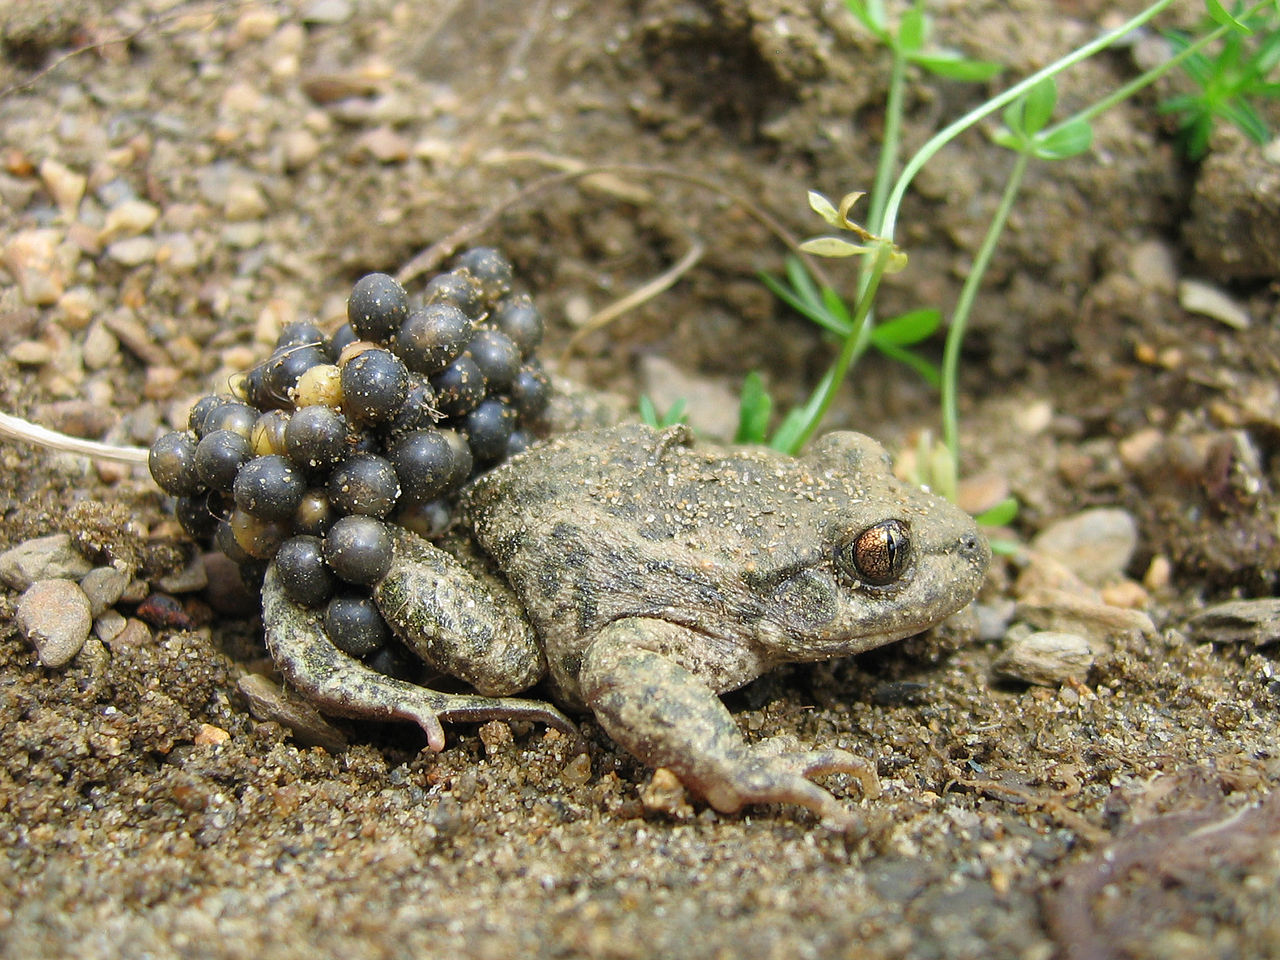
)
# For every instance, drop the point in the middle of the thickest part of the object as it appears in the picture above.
(879, 555)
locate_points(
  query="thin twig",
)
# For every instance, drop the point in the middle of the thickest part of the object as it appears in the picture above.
(645, 292)
(441, 250)
(16, 428)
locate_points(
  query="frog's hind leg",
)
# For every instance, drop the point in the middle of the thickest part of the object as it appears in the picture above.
(668, 717)
(343, 686)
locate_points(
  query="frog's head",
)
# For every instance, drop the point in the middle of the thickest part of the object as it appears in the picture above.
(885, 559)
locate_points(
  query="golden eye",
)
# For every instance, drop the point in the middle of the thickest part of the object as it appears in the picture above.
(879, 555)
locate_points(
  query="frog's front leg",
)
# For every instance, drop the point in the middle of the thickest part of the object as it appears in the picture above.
(667, 716)
(343, 686)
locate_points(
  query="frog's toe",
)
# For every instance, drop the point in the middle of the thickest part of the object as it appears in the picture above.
(767, 777)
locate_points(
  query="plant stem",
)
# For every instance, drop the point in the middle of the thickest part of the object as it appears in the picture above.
(890, 144)
(949, 133)
(964, 305)
(1151, 76)
(850, 349)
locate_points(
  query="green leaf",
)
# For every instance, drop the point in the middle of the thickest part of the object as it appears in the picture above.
(648, 412)
(834, 247)
(802, 283)
(1066, 141)
(754, 409)
(908, 328)
(1039, 107)
(927, 371)
(911, 31)
(870, 13)
(1247, 119)
(837, 312)
(825, 209)
(787, 437)
(955, 66)
(1004, 137)
(1000, 515)
(1219, 15)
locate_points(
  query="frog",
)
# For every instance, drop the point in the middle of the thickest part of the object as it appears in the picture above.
(640, 575)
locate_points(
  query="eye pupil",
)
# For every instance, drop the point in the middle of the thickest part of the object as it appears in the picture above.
(881, 553)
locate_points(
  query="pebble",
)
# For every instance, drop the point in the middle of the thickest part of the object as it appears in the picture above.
(32, 257)
(133, 252)
(64, 185)
(190, 579)
(210, 736)
(665, 794)
(244, 201)
(109, 625)
(242, 236)
(77, 306)
(178, 252)
(128, 219)
(1196, 296)
(54, 615)
(1066, 612)
(135, 634)
(1096, 544)
(1255, 622)
(268, 701)
(383, 144)
(327, 11)
(101, 348)
(1046, 658)
(44, 558)
(104, 586)
(712, 408)
(300, 148)
(31, 353)
(1154, 265)
(993, 619)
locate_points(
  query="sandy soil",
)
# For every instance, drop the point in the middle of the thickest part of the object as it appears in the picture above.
(246, 162)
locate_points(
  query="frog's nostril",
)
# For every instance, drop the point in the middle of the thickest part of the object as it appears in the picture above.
(973, 546)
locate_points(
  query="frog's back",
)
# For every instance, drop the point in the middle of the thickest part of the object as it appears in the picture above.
(631, 521)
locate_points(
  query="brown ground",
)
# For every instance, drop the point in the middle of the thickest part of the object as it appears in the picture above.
(288, 154)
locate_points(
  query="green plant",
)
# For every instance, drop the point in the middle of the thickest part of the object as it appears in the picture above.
(1227, 80)
(1027, 131)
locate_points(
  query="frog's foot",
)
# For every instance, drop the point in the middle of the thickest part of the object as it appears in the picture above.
(662, 712)
(766, 776)
(343, 686)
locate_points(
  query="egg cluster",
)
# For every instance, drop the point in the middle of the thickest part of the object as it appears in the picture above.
(318, 449)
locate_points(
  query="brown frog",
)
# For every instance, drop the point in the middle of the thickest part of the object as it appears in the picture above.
(643, 576)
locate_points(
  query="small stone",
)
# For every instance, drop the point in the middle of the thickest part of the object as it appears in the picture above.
(108, 625)
(383, 144)
(993, 619)
(1153, 264)
(712, 407)
(1125, 593)
(128, 219)
(101, 348)
(267, 701)
(496, 737)
(160, 382)
(1094, 544)
(64, 185)
(577, 770)
(44, 558)
(77, 306)
(32, 257)
(135, 634)
(210, 736)
(178, 252)
(665, 794)
(1255, 622)
(133, 252)
(54, 615)
(31, 353)
(1046, 658)
(242, 236)
(104, 586)
(327, 11)
(190, 579)
(1061, 611)
(300, 148)
(1196, 296)
(244, 201)
(256, 23)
